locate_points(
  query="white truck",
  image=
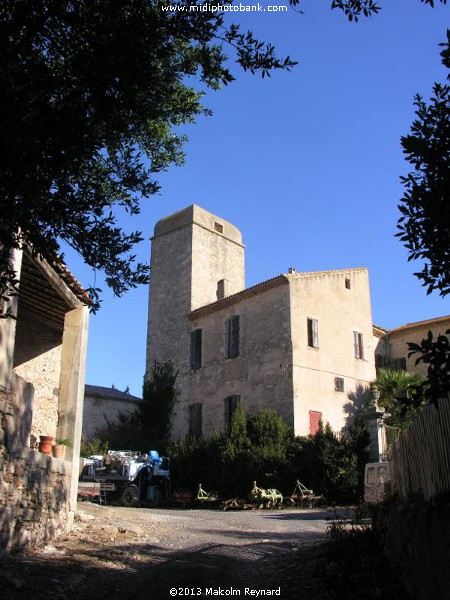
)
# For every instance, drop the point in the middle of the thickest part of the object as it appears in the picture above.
(129, 479)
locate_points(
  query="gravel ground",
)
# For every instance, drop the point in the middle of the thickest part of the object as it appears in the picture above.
(137, 553)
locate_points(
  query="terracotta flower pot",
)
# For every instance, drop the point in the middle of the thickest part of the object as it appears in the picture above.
(45, 444)
(59, 451)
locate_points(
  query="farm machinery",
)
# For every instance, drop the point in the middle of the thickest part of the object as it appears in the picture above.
(127, 477)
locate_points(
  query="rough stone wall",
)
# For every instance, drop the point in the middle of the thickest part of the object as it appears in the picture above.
(169, 303)
(37, 359)
(191, 251)
(261, 374)
(215, 256)
(34, 488)
(415, 536)
(97, 412)
(339, 311)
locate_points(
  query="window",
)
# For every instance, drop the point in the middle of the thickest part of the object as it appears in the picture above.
(358, 345)
(313, 333)
(382, 474)
(232, 337)
(348, 284)
(370, 476)
(221, 289)
(195, 419)
(196, 349)
(339, 384)
(379, 361)
(218, 227)
(315, 417)
(230, 403)
(399, 364)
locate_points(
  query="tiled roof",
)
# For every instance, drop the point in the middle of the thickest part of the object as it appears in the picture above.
(70, 280)
(379, 331)
(422, 324)
(331, 272)
(234, 298)
(104, 392)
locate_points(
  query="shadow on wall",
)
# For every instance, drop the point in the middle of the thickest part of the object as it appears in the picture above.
(357, 400)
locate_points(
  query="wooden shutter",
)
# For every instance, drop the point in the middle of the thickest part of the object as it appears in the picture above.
(313, 333)
(358, 344)
(231, 403)
(315, 418)
(195, 419)
(232, 337)
(196, 348)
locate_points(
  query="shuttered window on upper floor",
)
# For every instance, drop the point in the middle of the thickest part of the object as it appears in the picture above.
(196, 349)
(232, 337)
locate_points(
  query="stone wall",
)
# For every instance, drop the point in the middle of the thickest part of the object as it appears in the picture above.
(261, 374)
(37, 359)
(34, 488)
(415, 536)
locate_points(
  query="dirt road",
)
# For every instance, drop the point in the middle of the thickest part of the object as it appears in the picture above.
(137, 554)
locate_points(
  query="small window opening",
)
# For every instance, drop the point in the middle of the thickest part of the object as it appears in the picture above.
(221, 289)
(218, 227)
(339, 384)
(348, 284)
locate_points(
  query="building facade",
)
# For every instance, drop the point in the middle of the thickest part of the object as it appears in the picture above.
(391, 346)
(299, 343)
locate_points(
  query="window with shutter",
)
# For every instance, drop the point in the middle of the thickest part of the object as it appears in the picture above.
(230, 404)
(399, 364)
(232, 335)
(358, 345)
(195, 419)
(221, 289)
(313, 333)
(196, 349)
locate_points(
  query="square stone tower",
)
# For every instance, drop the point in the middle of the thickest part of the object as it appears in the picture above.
(196, 259)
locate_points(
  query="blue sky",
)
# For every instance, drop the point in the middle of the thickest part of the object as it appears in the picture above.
(306, 164)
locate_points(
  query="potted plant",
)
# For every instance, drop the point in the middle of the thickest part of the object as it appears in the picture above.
(45, 444)
(59, 449)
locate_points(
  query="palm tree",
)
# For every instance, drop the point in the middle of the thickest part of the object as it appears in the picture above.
(400, 395)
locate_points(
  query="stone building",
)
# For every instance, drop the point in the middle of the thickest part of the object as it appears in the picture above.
(42, 366)
(102, 405)
(299, 343)
(391, 346)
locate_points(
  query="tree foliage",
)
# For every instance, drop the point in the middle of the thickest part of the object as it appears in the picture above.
(261, 447)
(436, 354)
(93, 93)
(148, 427)
(425, 207)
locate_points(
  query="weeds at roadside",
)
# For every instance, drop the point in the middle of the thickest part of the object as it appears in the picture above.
(353, 566)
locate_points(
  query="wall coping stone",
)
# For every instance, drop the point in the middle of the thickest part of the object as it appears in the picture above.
(44, 461)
